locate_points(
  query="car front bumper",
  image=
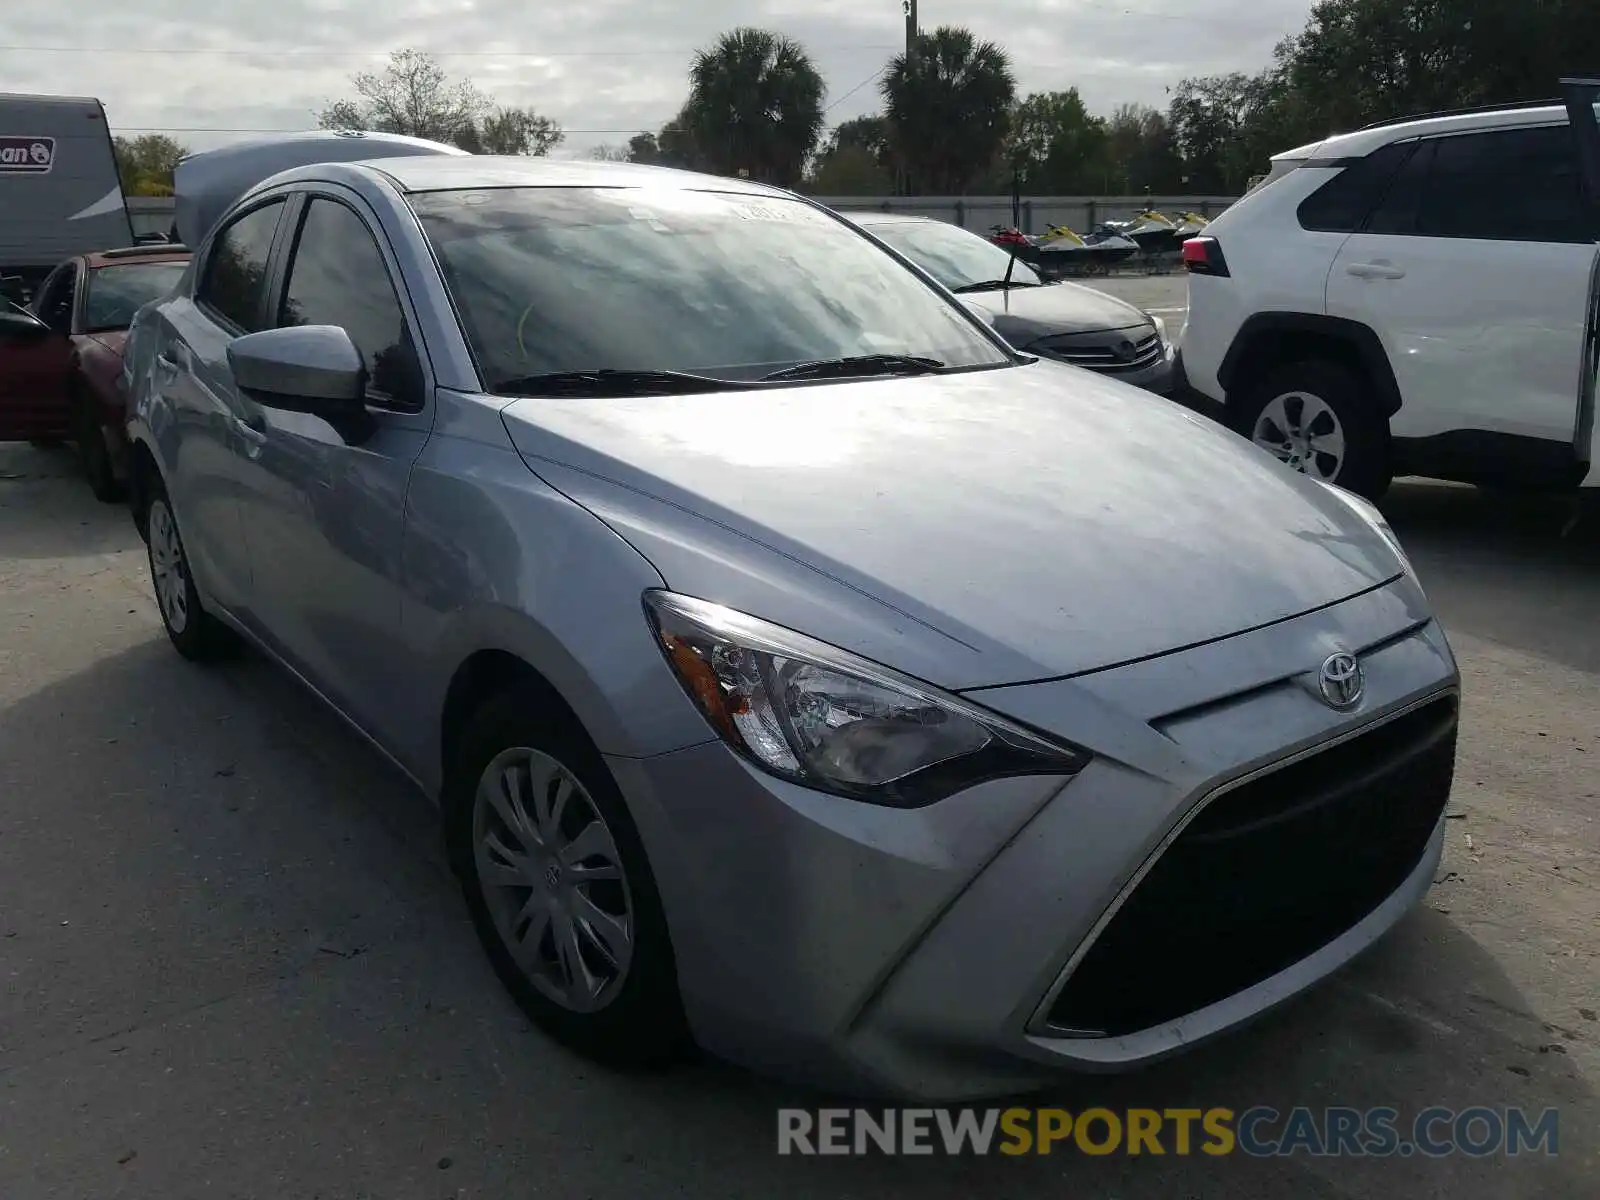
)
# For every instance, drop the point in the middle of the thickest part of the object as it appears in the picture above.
(934, 954)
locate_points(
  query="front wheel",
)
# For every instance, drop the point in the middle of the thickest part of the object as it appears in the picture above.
(558, 885)
(1317, 417)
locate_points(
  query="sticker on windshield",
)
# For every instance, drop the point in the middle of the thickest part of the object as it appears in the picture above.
(770, 212)
(27, 155)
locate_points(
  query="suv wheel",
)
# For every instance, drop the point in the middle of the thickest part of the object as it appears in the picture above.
(1315, 417)
(194, 632)
(558, 885)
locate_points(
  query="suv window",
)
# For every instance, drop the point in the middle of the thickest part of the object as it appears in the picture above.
(1342, 204)
(338, 277)
(1513, 185)
(236, 271)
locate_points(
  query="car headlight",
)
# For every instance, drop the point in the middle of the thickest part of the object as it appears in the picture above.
(1161, 327)
(820, 717)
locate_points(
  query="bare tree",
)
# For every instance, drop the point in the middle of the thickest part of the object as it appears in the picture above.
(611, 154)
(412, 95)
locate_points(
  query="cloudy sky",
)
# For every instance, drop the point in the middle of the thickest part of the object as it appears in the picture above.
(603, 68)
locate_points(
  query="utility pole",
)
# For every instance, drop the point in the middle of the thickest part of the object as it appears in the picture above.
(909, 8)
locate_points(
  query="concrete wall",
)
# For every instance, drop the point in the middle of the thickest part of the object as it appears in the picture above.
(153, 214)
(1038, 213)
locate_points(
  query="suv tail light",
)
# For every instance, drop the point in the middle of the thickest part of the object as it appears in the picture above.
(1203, 256)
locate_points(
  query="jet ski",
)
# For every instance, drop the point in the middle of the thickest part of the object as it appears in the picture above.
(1062, 249)
(1153, 233)
(1190, 225)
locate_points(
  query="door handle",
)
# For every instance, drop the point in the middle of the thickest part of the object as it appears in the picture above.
(1375, 270)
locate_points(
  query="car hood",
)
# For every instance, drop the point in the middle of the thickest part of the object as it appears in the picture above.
(1053, 520)
(1023, 315)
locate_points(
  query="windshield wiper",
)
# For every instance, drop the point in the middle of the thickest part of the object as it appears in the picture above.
(605, 381)
(860, 364)
(992, 285)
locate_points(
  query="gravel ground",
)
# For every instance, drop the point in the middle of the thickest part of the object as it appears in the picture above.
(235, 965)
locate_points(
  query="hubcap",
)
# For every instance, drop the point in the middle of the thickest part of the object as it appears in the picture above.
(1303, 432)
(167, 567)
(552, 879)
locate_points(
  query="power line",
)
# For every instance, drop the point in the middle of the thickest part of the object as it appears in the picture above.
(869, 79)
(298, 53)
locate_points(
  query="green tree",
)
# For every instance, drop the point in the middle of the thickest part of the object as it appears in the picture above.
(670, 146)
(412, 95)
(755, 105)
(948, 108)
(1141, 154)
(145, 164)
(518, 131)
(1058, 145)
(1359, 61)
(1218, 125)
(854, 160)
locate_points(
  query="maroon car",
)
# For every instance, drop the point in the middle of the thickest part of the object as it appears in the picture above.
(61, 357)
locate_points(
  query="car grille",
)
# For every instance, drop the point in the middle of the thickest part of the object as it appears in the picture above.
(1113, 353)
(1267, 874)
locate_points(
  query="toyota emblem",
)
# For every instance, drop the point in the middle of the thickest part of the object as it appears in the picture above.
(1341, 680)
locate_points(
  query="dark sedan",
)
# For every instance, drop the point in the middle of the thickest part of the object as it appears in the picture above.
(1065, 321)
(61, 357)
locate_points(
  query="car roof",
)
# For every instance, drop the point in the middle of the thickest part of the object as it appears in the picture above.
(136, 254)
(867, 217)
(1361, 142)
(429, 173)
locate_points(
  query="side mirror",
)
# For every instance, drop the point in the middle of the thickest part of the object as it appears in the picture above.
(313, 369)
(16, 323)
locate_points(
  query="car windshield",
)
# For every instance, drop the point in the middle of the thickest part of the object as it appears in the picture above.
(956, 257)
(731, 286)
(117, 292)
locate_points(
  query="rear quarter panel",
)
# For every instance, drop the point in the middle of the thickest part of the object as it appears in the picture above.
(1274, 266)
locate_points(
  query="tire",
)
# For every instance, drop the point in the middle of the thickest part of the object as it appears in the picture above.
(1336, 396)
(94, 455)
(634, 1018)
(194, 632)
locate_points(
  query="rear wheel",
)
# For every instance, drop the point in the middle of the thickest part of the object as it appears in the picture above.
(194, 632)
(1316, 417)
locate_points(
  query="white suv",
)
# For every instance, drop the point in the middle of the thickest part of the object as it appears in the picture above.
(1420, 297)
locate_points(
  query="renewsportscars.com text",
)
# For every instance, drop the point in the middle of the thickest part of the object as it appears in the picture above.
(1258, 1132)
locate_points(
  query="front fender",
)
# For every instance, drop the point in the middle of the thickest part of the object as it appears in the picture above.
(495, 559)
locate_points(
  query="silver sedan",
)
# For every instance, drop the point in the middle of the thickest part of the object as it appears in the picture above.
(802, 672)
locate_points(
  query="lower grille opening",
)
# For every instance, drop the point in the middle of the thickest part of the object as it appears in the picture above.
(1266, 875)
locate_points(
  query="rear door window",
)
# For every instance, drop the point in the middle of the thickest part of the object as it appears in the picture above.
(1511, 185)
(235, 274)
(1345, 201)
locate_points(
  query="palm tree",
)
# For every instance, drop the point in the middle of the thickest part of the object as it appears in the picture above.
(755, 105)
(950, 109)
